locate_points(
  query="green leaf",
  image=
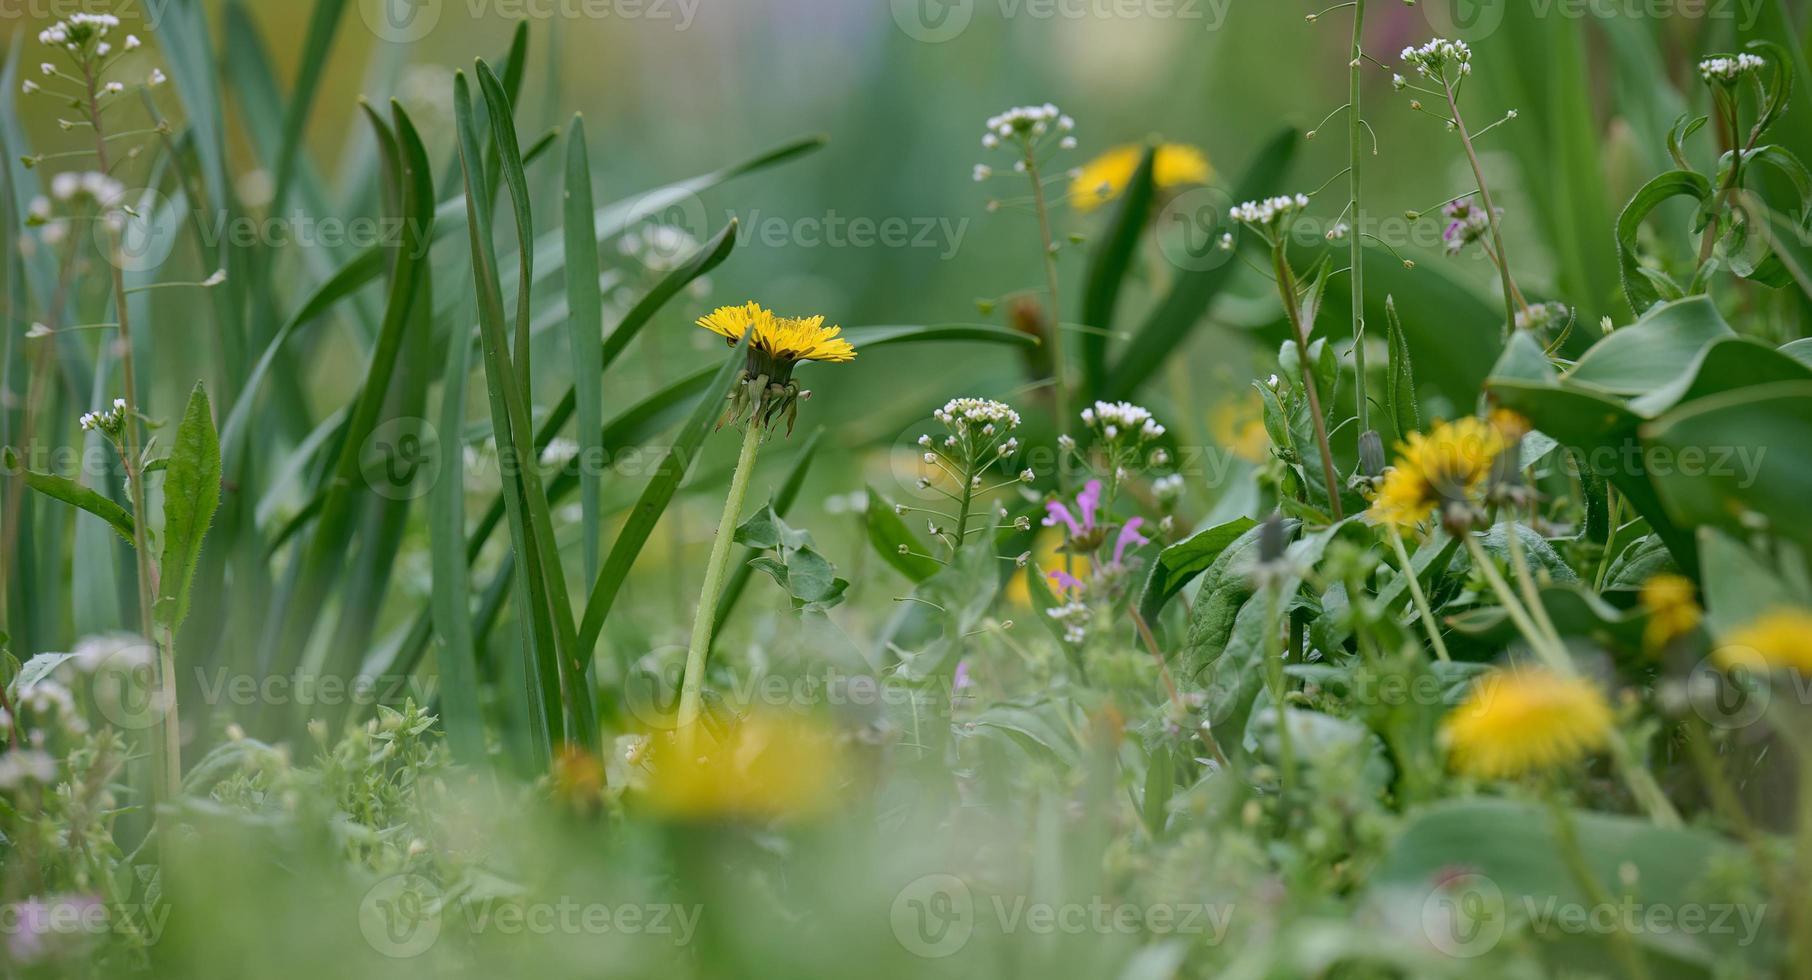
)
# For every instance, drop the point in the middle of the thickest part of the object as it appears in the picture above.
(1400, 383)
(585, 324)
(880, 336)
(1653, 350)
(1736, 453)
(1637, 288)
(74, 494)
(315, 48)
(1180, 563)
(888, 534)
(1108, 266)
(543, 663)
(1509, 852)
(782, 502)
(191, 494)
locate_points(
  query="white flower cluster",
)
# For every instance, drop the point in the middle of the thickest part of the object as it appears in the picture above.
(93, 185)
(108, 423)
(1168, 488)
(1026, 122)
(78, 30)
(1432, 59)
(977, 412)
(1270, 209)
(1114, 418)
(1724, 69)
(1074, 617)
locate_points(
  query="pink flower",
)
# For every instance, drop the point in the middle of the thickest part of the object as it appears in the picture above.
(1129, 538)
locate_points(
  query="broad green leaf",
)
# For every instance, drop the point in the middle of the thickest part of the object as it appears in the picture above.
(191, 493)
(1179, 564)
(1738, 453)
(1652, 351)
(1400, 383)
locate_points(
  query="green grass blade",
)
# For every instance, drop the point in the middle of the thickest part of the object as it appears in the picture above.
(1107, 268)
(315, 49)
(451, 615)
(542, 666)
(576, 687)
(585, 324)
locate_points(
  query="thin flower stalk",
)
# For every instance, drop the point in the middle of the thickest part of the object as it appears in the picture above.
(1286, 289)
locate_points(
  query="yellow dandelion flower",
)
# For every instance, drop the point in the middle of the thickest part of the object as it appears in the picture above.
(1518, 721)
(1103, 178)
(1782, 639)
(1448, 465)
(769, 766)
(778, 342)
(1238, 425)
(1672, 610)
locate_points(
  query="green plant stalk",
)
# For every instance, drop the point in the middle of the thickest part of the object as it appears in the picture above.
(1286, 288)
(703, 619)
(1501, 257)
(168, 782)
(1423, 611)
(1060, 391)
(1356, 259)
(1274, 684)
(1567, 836)
(1525, 580)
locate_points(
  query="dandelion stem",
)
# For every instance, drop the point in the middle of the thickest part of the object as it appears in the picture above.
(692, 685)
(1286, 288)
(1417, 596)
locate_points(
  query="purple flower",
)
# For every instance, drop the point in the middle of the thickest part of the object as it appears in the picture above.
(962, 680)
(1063, 579)
(1129, 538)
(1087, 503)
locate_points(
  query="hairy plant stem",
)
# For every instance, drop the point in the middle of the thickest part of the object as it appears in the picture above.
(692, 684)
(168, 755)
(1511, 293)
(1060, 389)
(1566, 835)
(1416, 595)
(1286, 288)
(1356, 258)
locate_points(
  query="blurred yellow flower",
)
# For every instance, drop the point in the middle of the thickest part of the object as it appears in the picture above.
(1238, 425)
(578, 779)
(785, 339)
(1047, 556)
(1782, 638)
(1103, 178)
(769, 766)
(1448, 465)
(1518, 721)
(1672, 610)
